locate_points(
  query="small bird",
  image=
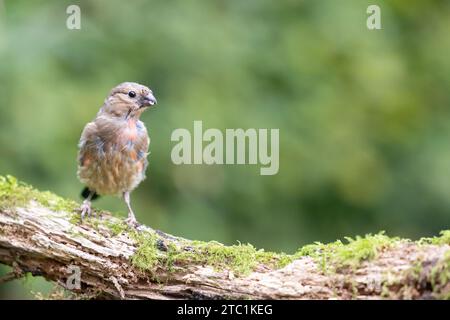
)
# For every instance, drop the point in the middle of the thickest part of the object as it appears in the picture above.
(113, 148)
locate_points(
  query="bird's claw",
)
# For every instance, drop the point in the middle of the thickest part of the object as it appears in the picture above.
(132, 222)
(85, 209)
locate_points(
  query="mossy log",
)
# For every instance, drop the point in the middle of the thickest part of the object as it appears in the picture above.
(41, 234)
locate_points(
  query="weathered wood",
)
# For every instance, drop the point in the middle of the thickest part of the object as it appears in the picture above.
(43, 242)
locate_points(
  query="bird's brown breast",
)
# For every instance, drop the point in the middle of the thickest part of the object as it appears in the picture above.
(114, 161)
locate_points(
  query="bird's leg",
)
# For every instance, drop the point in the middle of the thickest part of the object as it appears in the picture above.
(131, 220)
(86, 206)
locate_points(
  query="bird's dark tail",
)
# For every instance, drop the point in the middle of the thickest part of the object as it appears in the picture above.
(85, 193)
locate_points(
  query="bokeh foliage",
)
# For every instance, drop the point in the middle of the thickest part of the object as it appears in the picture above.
(363, 115)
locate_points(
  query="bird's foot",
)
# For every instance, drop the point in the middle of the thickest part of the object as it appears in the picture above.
(85, 209)
(132, 222)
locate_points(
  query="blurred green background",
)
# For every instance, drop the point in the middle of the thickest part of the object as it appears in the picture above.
(363, 115)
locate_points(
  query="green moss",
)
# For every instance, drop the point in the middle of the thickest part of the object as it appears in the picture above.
(440, 277)
(244, 258)
(75, 218)
(145, 257)
(14, 193)
(277, 260)
(444, 238)
(93, 222)
(361, 249)
(338, 255)
(240, 258)
(116, 226)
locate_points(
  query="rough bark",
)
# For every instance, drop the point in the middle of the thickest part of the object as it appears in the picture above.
(44, 242)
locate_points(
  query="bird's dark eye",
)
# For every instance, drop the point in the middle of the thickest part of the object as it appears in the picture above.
(132, 94)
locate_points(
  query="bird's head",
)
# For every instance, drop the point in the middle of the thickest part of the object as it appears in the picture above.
(128, 99)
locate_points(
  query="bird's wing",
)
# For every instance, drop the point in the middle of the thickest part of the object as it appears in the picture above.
(87, 143)
(141, 145)
(142, 141)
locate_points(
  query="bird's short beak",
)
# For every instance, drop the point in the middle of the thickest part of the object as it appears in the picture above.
(149, 100)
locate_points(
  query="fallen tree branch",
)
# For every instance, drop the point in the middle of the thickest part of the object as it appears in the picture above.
(40, 233)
